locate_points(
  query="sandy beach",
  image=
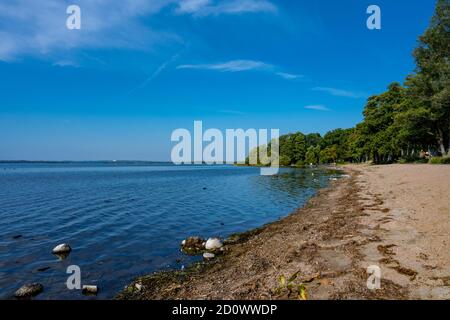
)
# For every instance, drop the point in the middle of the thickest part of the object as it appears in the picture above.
(396, 217)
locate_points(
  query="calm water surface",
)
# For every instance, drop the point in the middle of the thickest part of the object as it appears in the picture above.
(125, 220)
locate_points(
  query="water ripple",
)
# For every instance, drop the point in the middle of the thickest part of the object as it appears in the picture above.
(122, 221)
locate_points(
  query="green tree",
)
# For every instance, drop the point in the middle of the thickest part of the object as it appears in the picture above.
(313, 140)
(337, 141)
(313, 155)
(376, 137)
(329, 154)
(431, 84)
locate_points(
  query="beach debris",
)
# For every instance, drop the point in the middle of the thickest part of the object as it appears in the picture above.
(208, 255)
(288, 288)
(193, 245)
(63, 248)
(197, 245)
(311, 278)
(333, 179)
(213, 244)
(302, 292)
(138, 286)
(89, 289)
(29, 290)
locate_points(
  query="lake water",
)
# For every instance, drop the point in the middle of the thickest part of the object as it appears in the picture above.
(123, 220)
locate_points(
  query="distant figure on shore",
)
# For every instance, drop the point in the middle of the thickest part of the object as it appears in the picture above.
(424, 154)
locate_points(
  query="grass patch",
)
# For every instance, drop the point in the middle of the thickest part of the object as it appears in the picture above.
(440, 160)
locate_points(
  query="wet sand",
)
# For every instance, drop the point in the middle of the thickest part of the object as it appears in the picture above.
(396, 217)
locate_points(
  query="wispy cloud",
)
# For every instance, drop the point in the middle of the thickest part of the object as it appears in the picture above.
(340, 92)
(233, 112)
(317, 107)
(37, 28)
(240, 66)
(209, 7)
(289, 76)
(66, 63)
(230, 66)
(155, 74)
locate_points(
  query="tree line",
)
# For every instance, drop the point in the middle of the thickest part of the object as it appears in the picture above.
(401, 124)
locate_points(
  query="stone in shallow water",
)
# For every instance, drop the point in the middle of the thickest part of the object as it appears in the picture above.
(63, 248)
(208, 255)
(193, 245)
(89, 289)
(29, 290)
(213, 244)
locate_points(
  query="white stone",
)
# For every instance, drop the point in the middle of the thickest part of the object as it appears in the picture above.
(213, 244)
(208, 255)
(62, 248)
(90, 289)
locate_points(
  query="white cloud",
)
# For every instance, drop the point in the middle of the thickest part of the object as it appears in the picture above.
(66, 63)
(240, 66)
(289, 76)
(317, 107)
(192, 6)
(230, 66)
(38, 28)
(340, 92)
(209, 7)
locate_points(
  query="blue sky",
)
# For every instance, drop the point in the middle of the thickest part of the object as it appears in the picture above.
(137, 70)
